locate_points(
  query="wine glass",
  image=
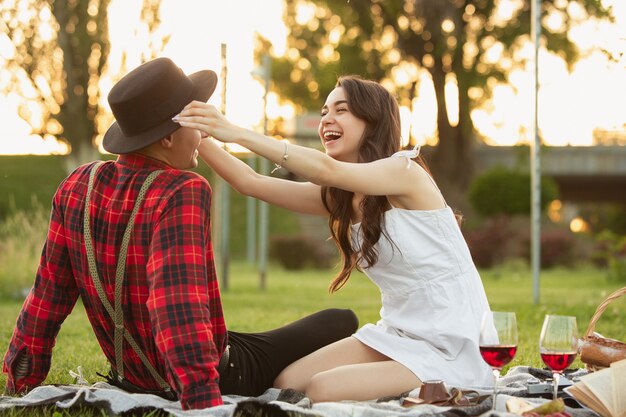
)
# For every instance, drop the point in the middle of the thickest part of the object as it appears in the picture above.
(558, 345)
(498, 342)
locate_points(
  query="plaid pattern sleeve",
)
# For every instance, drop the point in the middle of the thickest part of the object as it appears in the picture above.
(48, 303)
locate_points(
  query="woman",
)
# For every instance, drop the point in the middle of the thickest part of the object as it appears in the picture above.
(389, 220)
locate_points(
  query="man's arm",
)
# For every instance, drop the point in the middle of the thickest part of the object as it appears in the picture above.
(49, 302)
(184, 301)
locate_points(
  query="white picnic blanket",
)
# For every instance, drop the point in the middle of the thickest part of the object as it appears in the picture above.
(276, 402)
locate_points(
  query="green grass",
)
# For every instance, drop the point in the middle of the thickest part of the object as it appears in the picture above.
(290, 295)
(24, 178)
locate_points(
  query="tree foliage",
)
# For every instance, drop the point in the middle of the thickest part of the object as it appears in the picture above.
(60, 50)
(504, 191)
(395, 41)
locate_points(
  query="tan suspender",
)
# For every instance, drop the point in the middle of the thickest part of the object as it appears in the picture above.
(116, 313)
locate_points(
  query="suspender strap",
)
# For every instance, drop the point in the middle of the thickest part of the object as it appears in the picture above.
(117, 313)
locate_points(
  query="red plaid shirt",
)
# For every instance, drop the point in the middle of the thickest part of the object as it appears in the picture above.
(171, 299)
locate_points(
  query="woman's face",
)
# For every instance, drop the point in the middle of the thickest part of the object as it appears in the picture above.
(340, 130)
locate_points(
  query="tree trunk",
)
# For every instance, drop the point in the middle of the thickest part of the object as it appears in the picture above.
(451, 161)
(77, 115)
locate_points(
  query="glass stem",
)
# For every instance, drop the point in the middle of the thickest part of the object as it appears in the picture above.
(496, 375)
(555, 377)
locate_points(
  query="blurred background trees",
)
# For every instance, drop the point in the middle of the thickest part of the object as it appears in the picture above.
(472, 43)
(60, 53)
(61, 50)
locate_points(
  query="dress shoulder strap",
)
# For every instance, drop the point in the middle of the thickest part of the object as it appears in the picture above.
(408, 154)
(414, 153)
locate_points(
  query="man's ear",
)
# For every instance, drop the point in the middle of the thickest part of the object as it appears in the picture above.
(167, 141)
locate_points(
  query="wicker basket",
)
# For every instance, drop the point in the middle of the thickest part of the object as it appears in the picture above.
(598, 352)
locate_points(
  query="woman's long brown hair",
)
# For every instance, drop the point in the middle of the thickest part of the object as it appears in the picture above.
(371, 102)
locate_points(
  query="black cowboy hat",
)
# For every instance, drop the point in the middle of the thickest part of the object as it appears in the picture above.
(145, 100)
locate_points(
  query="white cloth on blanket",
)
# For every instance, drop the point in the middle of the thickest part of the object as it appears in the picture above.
(115, 401)
(433, 298)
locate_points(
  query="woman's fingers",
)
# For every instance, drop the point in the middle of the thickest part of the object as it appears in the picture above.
(193, 125)
(208, 119)
(199, 108)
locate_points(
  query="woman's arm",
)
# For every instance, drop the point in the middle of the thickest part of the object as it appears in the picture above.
(302, 197)
(390, 176)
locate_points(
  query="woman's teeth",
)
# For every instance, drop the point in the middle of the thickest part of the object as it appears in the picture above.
(332, 135)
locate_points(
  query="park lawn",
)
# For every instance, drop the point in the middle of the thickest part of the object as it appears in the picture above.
(290, 295)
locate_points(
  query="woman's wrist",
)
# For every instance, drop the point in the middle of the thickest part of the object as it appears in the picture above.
(246, 138)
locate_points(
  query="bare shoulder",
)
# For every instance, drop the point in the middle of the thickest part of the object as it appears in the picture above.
(423, 194)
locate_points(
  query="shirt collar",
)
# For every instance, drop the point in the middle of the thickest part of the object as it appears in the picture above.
(138, 161)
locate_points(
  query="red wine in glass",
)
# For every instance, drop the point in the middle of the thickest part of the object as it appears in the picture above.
(497, 343)
(498, 356)
(558, 361)
(558, 345)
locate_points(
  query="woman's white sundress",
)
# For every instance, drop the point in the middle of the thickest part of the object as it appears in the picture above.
(433, 298)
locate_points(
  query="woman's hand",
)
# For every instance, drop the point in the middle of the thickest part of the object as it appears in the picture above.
(208, 119)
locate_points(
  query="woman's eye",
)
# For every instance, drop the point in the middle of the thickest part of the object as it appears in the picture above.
(341, 109)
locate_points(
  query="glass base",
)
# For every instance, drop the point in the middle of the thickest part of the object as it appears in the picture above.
(563, 382)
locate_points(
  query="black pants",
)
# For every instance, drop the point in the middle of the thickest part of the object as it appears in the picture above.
(256, 359)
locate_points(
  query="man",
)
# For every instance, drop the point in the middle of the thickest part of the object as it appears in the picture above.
(132, 238)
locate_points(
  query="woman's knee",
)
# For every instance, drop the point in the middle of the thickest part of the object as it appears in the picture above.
(319, 388)
(315, 388)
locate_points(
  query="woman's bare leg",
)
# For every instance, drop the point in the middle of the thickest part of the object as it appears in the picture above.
(361, 382)
(343, 352)
(344, 370)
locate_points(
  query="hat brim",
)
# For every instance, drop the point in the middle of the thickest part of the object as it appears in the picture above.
(115, 141)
